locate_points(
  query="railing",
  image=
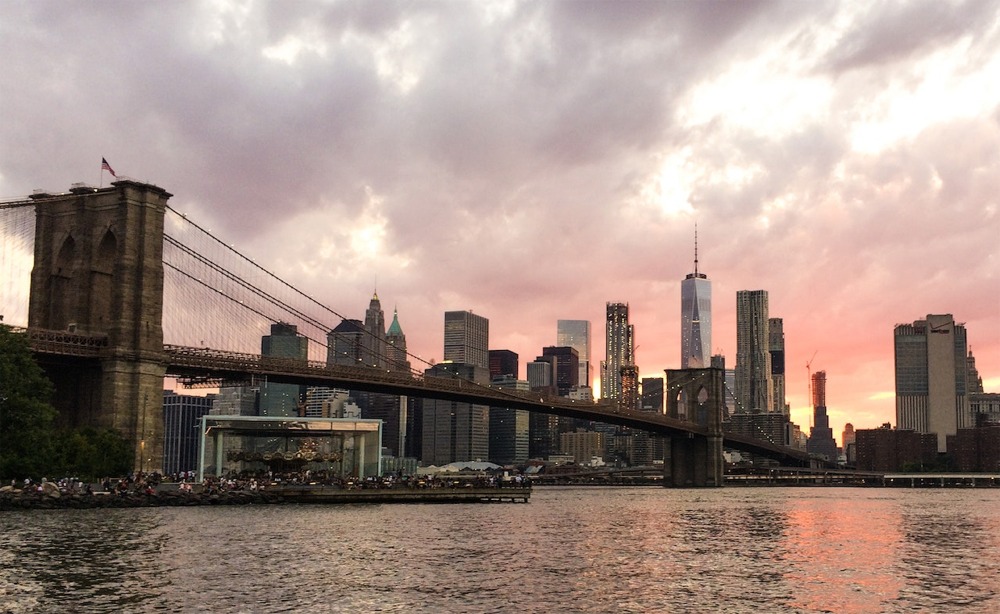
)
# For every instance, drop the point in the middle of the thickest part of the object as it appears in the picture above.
(65, 343)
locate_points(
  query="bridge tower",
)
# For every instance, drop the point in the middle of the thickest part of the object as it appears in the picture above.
(695, 395)
(98, 271)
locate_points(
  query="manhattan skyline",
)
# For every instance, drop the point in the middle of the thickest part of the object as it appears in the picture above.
(532, 162)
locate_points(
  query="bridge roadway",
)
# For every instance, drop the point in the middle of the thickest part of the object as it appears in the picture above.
(193, 365)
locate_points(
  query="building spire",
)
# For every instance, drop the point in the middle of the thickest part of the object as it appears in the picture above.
(696, 249)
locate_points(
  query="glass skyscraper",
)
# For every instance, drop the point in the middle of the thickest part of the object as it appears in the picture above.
(696, 318)
(576, 334)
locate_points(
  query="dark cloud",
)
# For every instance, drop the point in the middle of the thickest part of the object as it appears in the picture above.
(505, 157)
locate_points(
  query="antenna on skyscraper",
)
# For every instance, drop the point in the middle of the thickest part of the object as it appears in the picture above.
(696, 249)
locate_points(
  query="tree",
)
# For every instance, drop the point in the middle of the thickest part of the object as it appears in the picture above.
(27, 418)
(92, 454)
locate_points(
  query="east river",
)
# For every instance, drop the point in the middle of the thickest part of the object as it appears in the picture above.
(582, 549)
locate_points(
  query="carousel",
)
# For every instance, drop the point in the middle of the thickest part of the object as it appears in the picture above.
(342, 447)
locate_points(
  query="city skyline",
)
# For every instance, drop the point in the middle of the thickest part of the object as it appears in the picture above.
(533, 161)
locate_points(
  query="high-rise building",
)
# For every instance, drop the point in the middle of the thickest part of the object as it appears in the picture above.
(652, 394)
(509, 428)
(620, 349)
(345, 343)
(629, 399)
(399, 359)
(503, 363)
(821, 435)
(696, 317)
(754, 389)
(283, 342)
(374, 344)
(931, 357)
(576, 334)
(236, 401)
(776, 348)
(466, 338)
(181, 433)
(454, 431)
(565, 367)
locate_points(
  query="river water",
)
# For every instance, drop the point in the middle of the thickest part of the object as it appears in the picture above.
(585, 549)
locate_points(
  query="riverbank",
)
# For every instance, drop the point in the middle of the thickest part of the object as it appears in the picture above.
(30, 499)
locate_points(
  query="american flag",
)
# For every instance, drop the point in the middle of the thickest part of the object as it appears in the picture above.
(107, 167)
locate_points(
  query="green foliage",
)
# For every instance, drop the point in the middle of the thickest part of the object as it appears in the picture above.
(92, 454)
(27, 432)
(30, 444)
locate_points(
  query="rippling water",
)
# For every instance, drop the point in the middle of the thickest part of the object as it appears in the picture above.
(569, 550)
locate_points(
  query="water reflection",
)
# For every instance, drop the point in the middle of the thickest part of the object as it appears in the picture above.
(570, 549)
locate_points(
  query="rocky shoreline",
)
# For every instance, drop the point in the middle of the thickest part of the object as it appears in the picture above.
(51, 498)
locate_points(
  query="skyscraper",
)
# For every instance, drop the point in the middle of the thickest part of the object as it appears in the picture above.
(932, 377)
(565, 367)
(753, 358)
(452, 430)
(503, 362)
(620, 340)
(181, 415)
(398, 358)
(576, 334)
(283, 342)
(696, 317)
(821, 435)
(373, 341)
(466, 338)
(345, 343)
(776, 348)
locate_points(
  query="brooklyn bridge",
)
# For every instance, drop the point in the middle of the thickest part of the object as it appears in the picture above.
(116, 290)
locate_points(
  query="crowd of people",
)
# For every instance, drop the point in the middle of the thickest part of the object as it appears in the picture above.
(254, 481)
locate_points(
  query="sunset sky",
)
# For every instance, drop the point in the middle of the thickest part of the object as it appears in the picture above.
(531, 161)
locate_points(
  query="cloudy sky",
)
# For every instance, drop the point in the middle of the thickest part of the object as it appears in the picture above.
(532, 161)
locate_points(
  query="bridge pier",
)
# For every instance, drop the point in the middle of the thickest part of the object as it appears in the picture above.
(98, 272)
(694, 460)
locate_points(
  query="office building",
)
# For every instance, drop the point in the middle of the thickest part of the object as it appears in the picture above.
(282, 399)
(576, 334)
(236, 401)
(466, 338)
(776, 348)
(565, 363)
(181, 434)
(374, 352)
(584, 446)
(345, 345)
(454, 431)
(620, 349)
(395, 343)
(652, 394)
(503, 363)
(754, 389)
(931, 359)
(696, 317)
(509, 428)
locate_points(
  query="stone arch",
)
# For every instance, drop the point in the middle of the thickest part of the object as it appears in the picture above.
(102, 281)
(61, 285)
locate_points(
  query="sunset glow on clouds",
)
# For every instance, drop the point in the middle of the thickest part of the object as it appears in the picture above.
(532, 161)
